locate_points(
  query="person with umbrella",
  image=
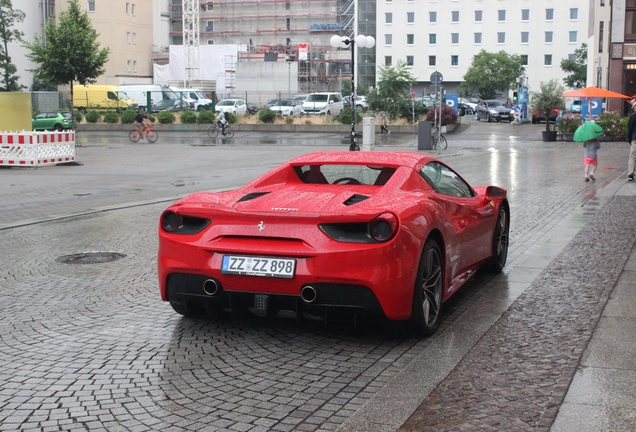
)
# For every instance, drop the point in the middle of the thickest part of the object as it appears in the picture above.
(631, 139)
(588, 134)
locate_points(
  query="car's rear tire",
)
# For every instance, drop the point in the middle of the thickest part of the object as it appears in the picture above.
(488, 118)
(500, 242)
(58, 128)
(428, 290)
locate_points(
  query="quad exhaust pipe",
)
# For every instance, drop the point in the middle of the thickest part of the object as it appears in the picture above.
(308, 294)
(212, 287)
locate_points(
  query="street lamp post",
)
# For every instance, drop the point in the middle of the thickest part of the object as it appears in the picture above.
(363, 42)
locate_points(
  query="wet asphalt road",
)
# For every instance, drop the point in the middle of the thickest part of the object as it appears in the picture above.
(92, 347)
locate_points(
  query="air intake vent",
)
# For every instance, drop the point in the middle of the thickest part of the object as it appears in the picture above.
(252, 195)
(355, 199)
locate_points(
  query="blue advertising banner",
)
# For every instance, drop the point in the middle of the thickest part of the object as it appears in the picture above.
(451, 101)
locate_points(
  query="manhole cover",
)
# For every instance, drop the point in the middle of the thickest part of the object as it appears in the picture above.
(90, 258)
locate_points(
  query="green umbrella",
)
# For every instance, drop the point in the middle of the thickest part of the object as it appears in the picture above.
(587, 131)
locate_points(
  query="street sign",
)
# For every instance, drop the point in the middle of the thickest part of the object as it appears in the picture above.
(436, 78)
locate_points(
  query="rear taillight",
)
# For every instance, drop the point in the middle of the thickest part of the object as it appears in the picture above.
(170, 221)
(383, 227)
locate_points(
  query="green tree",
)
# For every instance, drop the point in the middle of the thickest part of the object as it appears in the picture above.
(68, 52)
(392, 94)
(548, 98)
(491, 73)
(8, 17)
(576, 70)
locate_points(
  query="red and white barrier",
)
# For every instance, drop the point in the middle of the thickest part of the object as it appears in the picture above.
(32, 149)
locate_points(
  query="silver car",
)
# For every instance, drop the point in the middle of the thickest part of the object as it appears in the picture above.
(286, 107)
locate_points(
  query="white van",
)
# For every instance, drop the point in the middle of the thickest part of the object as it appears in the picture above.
(197, 98)
(140, 93)
(323, 103)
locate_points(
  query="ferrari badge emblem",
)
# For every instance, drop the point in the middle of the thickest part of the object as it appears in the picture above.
(261, 226)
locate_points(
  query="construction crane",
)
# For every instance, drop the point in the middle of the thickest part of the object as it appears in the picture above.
(191, 41)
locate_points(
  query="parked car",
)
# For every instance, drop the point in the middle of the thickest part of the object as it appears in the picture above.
(576, 107)
(251, 108)
(495, 110)
(468, 102)
(170, 105)
(270, 103)
(300, 98)
(538, 117)
(234, 106)
(361, 103)
(324, 104)
(51, 121)
(286, 107)
(394, 234)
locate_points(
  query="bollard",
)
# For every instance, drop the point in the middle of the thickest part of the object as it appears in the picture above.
(368, 133)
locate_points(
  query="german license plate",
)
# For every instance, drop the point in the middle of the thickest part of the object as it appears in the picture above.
(259, 266)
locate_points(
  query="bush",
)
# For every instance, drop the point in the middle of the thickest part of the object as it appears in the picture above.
(233, 118)
(267, 116)
(93, 116)
(111, 117)
(289, 119)
(611, 123)
(165, 117)
(569, 122)
(128, 116)
(449, 116)
(188, 116)
(345, 116)
(78, 117)
(152, 118)
(206, 116)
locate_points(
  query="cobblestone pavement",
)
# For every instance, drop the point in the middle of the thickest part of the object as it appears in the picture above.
(92, 347)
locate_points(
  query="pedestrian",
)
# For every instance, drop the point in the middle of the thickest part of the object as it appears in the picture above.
(631, 139)
(591, 158)
(384, 123)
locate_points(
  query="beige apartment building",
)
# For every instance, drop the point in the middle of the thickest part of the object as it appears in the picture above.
(126, 27)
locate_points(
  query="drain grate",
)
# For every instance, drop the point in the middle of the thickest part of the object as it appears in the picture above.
(90, 258)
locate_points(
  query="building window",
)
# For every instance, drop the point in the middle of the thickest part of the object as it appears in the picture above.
(127, 37)
(432, 60)
(287, 5)
(601, 28)
(409, 60)
(478, 38)
(410, 17)
(410, 39)
(525, 37)
(388, 18)
(602, 2)
(524, 59)
(573, 37)
(128, 66)
(134, 65)
(547, 60)
(127, 8)
(209, 27)
(455, 38)
(288, 23)
(432, 39)
(432, 17)
(454, 60)
(574, 14)
(548, 37)
(549, 14)
(134, 40)
(501, 15)
(572, 57)
(132, 8)
(501, 37)
(525, 14)
(630, 21)
(479, 15)
(288, 41)
(91, 5)
(388, 39)
(210, 42)
(455, 16)
(388, 60)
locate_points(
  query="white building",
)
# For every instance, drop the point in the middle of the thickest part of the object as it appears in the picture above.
(444, 35)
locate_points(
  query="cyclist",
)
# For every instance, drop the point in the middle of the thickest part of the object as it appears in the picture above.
(221, 120)
(142, 120)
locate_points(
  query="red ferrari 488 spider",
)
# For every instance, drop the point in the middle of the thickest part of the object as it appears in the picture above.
(391, 234)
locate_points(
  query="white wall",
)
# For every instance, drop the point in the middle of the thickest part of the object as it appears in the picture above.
(32, 24)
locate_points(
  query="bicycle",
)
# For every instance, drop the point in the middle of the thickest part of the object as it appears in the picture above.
(438, 141)
(144, 131)
(213, 131)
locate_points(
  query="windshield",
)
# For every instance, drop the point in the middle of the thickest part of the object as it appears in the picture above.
(201, 95)
(226, 103)
(316, 98)
(121, 95)
(169, 94)
(496, 103)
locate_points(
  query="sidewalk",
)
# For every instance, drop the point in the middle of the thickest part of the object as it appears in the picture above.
(562, 357)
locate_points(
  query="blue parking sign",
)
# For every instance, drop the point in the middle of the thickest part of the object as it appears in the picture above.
(451, 101)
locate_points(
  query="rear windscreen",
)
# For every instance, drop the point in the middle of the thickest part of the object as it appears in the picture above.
(345, 174)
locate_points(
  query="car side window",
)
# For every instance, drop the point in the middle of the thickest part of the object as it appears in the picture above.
(445, 181)
(40, 116)
(51, 115)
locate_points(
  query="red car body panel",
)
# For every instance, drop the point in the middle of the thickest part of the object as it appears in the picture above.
(284, 220)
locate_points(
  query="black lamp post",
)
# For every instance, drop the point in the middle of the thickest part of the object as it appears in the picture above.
(363, 42)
